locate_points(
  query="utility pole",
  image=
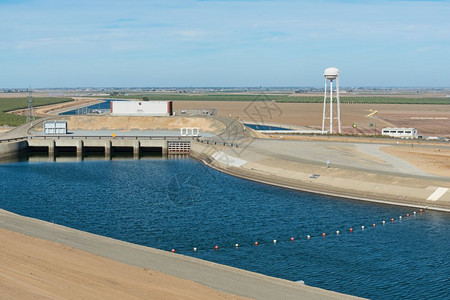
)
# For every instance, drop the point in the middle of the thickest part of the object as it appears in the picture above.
(30, 112)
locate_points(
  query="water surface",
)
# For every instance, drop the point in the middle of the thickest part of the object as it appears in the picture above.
(182, 204)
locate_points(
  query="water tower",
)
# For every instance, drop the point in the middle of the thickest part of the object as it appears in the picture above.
(331, 74)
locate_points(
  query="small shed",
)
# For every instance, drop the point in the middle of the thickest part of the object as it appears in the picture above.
(55, 127)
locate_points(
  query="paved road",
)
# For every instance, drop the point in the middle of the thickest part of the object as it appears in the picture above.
(21, 130)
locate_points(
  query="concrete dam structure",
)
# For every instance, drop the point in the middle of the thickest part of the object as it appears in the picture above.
(106, 144)
(98, 134)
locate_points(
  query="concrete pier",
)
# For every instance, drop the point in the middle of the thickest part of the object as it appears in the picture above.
(108, 149)
(51, 147)
(80, 148)
(137, 148)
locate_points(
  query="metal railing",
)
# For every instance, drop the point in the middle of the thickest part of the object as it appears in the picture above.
(220, 143)
(108, 137)
(17, 139)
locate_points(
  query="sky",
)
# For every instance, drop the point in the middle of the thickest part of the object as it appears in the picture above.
(223, 43)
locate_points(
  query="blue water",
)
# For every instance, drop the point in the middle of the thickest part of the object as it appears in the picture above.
(265, 127)
(84, 110)
(183, 204)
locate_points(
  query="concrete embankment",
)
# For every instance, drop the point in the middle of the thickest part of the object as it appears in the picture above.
(216, 276)
(11, 148)
(345, 181)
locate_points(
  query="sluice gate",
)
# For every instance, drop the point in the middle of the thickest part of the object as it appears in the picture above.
(178, 147)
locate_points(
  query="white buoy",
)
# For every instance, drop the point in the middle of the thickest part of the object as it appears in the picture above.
(237, 245)
(274, 241)
(384, 222)
(414, 212)
(308, 237)
(195, 249)
(400, 217)
(362, 227)
(337, 232)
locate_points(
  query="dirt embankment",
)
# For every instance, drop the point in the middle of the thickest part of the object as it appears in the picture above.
(143, 123)
(428, 119)
(432, 160)
(39, 269)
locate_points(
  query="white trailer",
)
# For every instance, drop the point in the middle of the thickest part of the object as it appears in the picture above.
(404, 133)
(55, 127)
(141, 108)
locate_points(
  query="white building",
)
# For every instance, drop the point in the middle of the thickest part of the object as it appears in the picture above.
(405, 133)
(55, 127)
(141, 108)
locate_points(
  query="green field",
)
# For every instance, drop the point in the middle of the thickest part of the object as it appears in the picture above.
(288, 99)
(9, 104)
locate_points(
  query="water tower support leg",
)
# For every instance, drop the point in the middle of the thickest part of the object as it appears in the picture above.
(331, 106)
(338, 106)
(324, 105)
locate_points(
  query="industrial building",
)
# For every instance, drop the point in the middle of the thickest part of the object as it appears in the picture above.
(142, 108)
(404, 133)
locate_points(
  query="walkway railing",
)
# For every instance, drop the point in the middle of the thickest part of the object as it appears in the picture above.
(109, 137)
(18, 139)
(220, 143)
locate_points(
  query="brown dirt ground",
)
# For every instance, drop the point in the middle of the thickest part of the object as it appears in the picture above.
(142, 123)
(432, 160)
(431, 157)
(430, 120)
(310, 114)
(39, 269)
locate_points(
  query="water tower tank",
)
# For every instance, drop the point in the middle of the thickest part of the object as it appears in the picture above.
(331, 73)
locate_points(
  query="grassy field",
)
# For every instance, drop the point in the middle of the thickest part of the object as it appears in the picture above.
(289, 99)
(9, 104)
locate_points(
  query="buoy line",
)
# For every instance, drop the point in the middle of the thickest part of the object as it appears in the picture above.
(293, 239)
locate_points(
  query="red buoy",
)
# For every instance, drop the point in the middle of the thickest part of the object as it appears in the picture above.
(216, 247)
(351, 229)
(420, 210)
(323, 234)
(292, 239)
(373, 225)
(256, 243)
(392, 220)
(173, 250)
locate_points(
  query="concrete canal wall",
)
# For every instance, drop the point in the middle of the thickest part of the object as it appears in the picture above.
(365, 185)
(11, 148)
